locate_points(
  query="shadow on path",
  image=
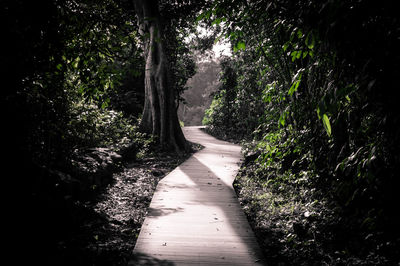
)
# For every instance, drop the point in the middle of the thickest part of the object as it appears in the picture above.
(144, 259)
(195, 216)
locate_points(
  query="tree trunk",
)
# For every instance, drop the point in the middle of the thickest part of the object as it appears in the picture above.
(159, 114)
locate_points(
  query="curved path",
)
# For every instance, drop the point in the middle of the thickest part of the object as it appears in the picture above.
(195, 217)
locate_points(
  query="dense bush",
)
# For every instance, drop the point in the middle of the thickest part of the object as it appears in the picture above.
(63, 58)
(73, 93)
(230, 114)
(61, 62)
(91, 126)
(310, 82)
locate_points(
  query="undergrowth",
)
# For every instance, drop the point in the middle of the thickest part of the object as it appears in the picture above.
(295, 222)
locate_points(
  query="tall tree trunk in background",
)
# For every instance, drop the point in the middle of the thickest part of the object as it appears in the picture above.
(159, 114)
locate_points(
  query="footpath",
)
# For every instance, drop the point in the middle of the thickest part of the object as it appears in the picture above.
(195, 217)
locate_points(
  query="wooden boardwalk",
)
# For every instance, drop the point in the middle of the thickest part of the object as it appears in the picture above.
(195, 217)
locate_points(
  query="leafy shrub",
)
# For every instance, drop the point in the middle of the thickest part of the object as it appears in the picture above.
(315, 109)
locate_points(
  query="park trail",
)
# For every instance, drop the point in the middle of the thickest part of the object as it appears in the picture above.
(195, 217)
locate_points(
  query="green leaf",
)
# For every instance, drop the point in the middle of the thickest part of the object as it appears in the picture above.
(294, 87)
(282, 119)
(296, 82)
(76, 62)
(233, 35)
(206, 14)
(310, 40)
(321, 109)
(285, 46)
(296, 55)
(81, 89)
(217, 21)
(327, 124)
(104, 105)
(319, 113)
(299, 33)
(241, 45)
(200, 17)
(293, 54)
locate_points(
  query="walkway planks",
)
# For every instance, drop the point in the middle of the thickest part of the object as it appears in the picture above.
(195, 217)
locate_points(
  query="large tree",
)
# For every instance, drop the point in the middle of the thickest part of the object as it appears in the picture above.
(159, 114)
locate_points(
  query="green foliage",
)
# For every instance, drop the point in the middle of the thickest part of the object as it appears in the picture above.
(240, 45)
(91, 126)
(308, 86)
(67, 57)
(197, 97)
(320, 109)
(327, 124)
(66, 53)
(230, 115)
(211, 113)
